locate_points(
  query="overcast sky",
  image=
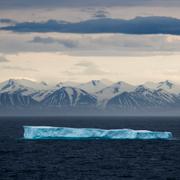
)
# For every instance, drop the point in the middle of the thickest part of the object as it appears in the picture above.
(8, 4)
(81, 40)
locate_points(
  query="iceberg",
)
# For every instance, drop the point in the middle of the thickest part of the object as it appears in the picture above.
(47, 132)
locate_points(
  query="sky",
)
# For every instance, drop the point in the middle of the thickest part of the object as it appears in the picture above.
(81, 40)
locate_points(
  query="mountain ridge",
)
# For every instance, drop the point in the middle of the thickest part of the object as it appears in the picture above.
(120, 96)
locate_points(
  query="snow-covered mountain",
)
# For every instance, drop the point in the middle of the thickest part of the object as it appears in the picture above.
(41, 95)
(18, 86)
(93, 86)
(113, 90)
(67, 83)
(167, 85)
(150, 85)
(69, 97)
(36, 90)
(16, 99)
(144, 98)
(26, 83)
(96, 94)
(13, 85)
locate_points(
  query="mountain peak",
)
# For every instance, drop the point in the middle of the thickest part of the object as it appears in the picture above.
(44, 83)
(121, 83)
(141, 88)
(167, 83)
(95, 82)
(92, 86)
(11, 82)
(23, 83)
(150, 85)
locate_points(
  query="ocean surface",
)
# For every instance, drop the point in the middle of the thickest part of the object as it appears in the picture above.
(89, 159)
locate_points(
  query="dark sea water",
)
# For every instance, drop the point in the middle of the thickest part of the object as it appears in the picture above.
(89, 159)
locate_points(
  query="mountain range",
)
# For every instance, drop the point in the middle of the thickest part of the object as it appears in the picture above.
(98, 95)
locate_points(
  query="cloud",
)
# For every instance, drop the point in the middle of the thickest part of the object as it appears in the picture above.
(138, 25)
(90, 44)
(7, 21)
(49, 40)
(18, 68)
(171, 72)
(88, 69)
(115, 44)
(3, 59)
(101, 14)
(7, 4)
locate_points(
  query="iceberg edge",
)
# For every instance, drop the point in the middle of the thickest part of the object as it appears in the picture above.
(48, 132)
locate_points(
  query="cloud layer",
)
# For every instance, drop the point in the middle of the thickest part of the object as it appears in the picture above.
(3, 59)
(7, 4)
(138, 25)
(90, 44)
(18, 68)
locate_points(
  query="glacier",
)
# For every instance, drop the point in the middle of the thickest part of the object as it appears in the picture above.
(48, 132)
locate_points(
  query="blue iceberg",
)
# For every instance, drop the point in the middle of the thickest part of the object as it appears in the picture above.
(47, 132)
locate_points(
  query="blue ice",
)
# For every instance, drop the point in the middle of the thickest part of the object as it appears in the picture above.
(47, 132)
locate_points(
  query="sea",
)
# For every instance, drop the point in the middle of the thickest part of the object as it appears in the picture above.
(22, 159)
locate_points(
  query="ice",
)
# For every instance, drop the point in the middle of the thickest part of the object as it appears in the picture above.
(47, 132)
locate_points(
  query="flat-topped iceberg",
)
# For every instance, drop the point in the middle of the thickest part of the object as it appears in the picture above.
(47, 132)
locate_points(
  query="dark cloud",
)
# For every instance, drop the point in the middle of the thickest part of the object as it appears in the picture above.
(3, 59)
(138, 25)
(49, 40)
(9, 4)
(7, 21)
(101, 14)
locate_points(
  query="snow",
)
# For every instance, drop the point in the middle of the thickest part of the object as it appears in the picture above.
(67, 83)
(47, 132)
(40, 95)
(29, 87)
(12, 86)
(93, 86)
(150, 85)
(111, 91)
(37, 90)
(163, 93)
(167, 86)
(143, 98)
(69, 96)
(115, 89)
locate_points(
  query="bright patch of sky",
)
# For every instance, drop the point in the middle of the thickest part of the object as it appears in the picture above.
(56, 67)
